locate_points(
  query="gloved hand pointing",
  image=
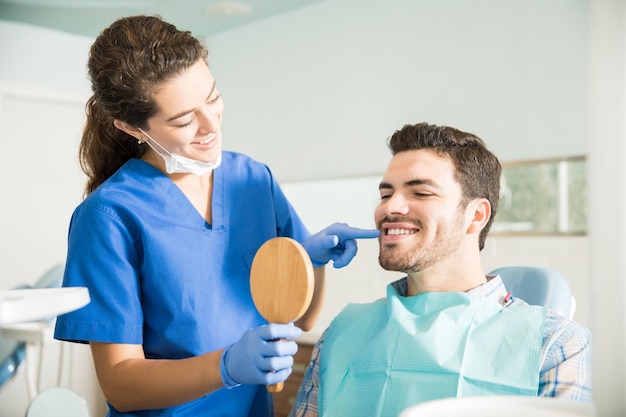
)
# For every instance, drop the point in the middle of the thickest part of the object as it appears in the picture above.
(336, 242)
(259, 357)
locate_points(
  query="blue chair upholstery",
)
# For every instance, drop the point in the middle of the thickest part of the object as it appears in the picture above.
(538, 286)
(12, 354)
(52, 278)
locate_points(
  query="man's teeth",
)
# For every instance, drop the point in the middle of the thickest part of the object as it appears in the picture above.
(400, 232)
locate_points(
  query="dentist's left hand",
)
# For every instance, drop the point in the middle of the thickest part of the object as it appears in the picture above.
(337, 243)
(263, 356)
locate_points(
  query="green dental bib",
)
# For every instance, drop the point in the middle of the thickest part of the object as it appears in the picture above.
(380, 358)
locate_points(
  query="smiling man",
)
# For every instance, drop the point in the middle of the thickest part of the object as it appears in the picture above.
(446, 329)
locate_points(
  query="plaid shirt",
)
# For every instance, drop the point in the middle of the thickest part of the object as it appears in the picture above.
(565, 366)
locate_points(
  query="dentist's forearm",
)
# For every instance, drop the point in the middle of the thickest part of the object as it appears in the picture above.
(131, 382)
(308, 320)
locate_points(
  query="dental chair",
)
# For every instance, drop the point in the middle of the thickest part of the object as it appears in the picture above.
(539, 286)
(24, 342)
(13, 351)
(12, 354)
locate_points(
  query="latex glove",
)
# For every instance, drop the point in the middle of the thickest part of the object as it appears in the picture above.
(260, 357)
(336, 242)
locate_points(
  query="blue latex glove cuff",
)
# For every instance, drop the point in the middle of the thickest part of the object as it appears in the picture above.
(226, 379)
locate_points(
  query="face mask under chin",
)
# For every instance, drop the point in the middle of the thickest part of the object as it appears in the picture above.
(178, 164)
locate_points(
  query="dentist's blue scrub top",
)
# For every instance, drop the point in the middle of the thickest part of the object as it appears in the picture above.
(159, 275)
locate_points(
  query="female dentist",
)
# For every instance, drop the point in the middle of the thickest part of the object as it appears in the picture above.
(167, 232)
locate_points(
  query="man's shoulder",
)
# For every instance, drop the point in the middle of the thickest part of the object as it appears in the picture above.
(559, 329)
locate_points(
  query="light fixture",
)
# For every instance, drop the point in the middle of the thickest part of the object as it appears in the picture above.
(229, 8)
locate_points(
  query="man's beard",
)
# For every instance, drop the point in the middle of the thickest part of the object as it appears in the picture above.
(405, 262)
(421, 256)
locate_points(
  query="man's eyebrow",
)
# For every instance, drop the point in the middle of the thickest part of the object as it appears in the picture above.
(415, 182)
(411, 183)
(182, 113)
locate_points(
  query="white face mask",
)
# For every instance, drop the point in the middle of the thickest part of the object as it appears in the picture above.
(179, 164)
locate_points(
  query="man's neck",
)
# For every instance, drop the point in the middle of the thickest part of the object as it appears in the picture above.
(446, 278)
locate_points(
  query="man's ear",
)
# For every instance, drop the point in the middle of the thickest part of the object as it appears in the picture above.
(130, 129)
(479, 212)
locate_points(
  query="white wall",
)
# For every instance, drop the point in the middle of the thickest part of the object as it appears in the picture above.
(607, 185)
(327, 84)
(39, 57)
(315, 92)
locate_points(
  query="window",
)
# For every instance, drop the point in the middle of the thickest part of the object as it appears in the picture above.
(543, 197)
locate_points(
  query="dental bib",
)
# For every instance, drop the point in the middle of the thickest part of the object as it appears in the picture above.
(426, 347)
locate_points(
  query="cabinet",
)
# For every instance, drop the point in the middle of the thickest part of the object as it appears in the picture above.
(284, 400)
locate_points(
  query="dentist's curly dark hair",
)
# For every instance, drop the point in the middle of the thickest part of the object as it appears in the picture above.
(128, 61)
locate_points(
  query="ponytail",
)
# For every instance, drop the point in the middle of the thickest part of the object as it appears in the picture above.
(104, 148)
